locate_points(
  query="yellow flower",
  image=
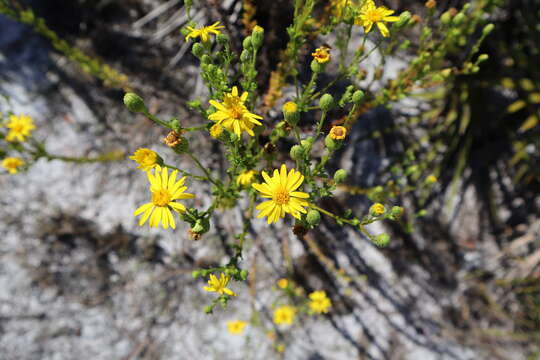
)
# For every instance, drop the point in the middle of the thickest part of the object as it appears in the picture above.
(204, 32)
(219, 285)
(246, 177)
(146, 158)
(284, 315)
(322, 55)
(377, 209)
(290, 107)
(216, 130)
(11, 164)
(431, 179)
(338, 132)
(283, 283)
(370, 14)
(281, 189)
(236, 327)
(19, 127)
(319, 303)
(233, 115)
(165, 190)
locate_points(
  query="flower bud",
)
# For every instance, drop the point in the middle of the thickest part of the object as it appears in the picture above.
(358, 96)
(290, 112)
(175, 124)
(208, 309)
(404, 18)
(382, 240)
(234, 137)
(396, 212)
(446, 17)
(245, 55)
(458, 19)
(482, 58)
(244, 275)
(195, 274)
(297, 152)
(340, 176)
(313, 217)
(206, 59)
(377, 209)
(246, 44)
(257, 36)
(134, 102)
(330, 143)
(317, 67)
(487, 29)
(197, 50)
(307, 144)
(326, 102)
(222, 39)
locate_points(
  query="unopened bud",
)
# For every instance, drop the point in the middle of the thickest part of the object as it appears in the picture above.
(290, 112)
(197, 50)
(297, 152)
(257, 36)
(358, 96)
(313, 217)
(134, 102)
(404, 18)
(487, 29)
(382, 240)
(246, 44)
(326, 102)
(340, 176)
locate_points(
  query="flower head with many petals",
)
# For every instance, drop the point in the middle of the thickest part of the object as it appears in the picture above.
(146, 158)
(233, 115)
(204, 32)
(280, 188)
(319, 302)
(165, 190)
(371, 14)
(219, 285)
(284, 315)
(236, 327)
(246, 177)
(11, 164)
(19, 127)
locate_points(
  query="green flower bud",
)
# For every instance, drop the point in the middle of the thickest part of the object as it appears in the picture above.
(326, 102)
(330, 143)
(247, 44)
(404, 18)
(317, 67)
(358, 96)
(297, 152)
(234, 137)
(195, 274)
(208, 309)
(487, 29)
(482, 58)
(134, 102)
(245, 55)
(458, 19)
(182, 147)
(257, 36)
(313, 217)
(244, 274)
(222, 39)
(446, 18)
(206, 59)
(307, 144)
(197, 50)
(382, 240)
(340, 176)
(396, 212)
(175, 124)
(290, 112)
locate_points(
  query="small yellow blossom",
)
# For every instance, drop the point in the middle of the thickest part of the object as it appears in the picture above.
(165, 190)
(377, 209)
(146, 158)
(431, 179)
(280, 348)
(219, 285)
(283, 283)
(11, 164)
(338, 6)
(371, 14)
(280, 188)
(236, 327)
(338, 132)
(322, 55)
(233, 115)
(246, 177)
(19, 127)
(216, 130)
(319, 302)
(290, 107)
(284, 315)
(204, 32)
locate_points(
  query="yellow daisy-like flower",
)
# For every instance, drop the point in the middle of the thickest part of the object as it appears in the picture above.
(216, 130)
(322, 55)
(219, 285)
(319, 302)
(377, 209)
(284, 315)
(11, 164)
(204, 32)
(146, 158)
(246, 177)
(371, 14)
(165, 190)
(236, 327)
(281, 189)
(283, 283)
(19, 127)
(338, 132)
(233, 115)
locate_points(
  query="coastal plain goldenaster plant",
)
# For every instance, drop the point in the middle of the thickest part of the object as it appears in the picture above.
(233, 115)
(219, 285)
(11, 164)
(146, 158)
(280, 188)
(371, 14)
(165, 190)
(338, 132)
(236, 327)
(319, 302)
(284, 315)
(204, 32)
(20, 127)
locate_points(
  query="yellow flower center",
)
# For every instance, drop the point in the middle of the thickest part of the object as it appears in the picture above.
(162, 197)
(19, 128)
(374, 15)
(235, 106)
(281, 196)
